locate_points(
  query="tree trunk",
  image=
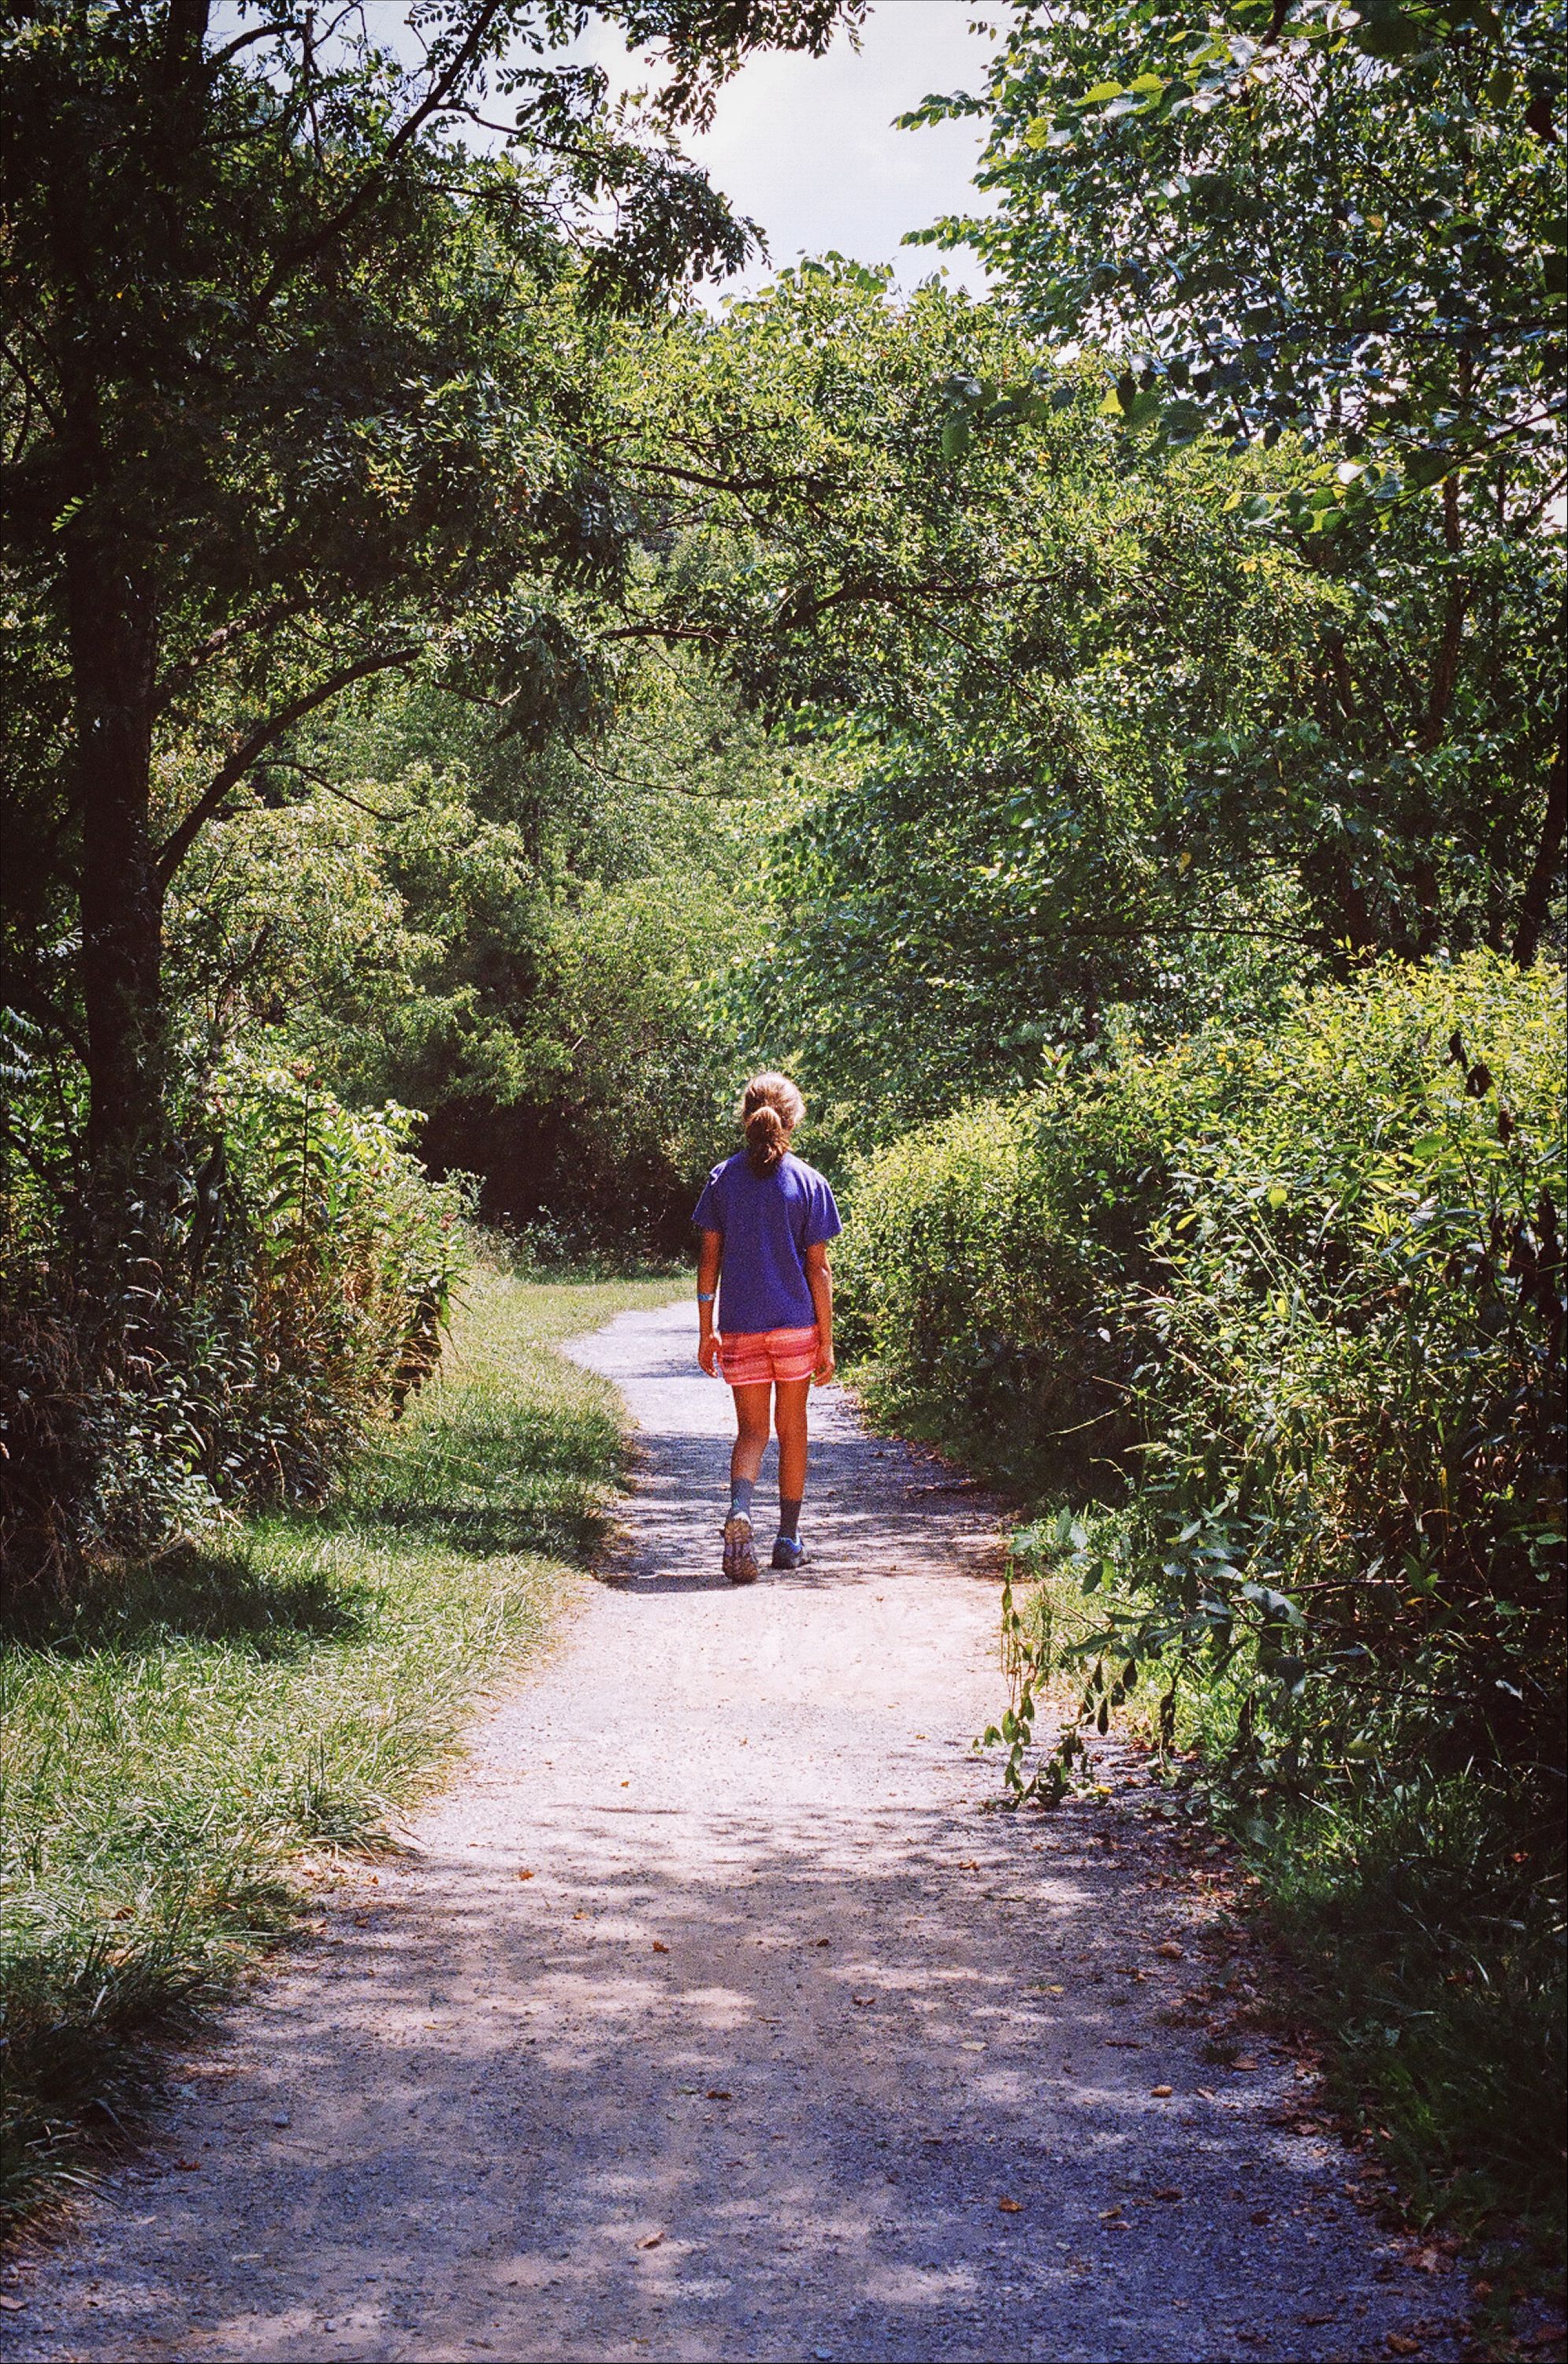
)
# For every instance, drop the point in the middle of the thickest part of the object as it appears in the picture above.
(1548, 859)
(113, 648)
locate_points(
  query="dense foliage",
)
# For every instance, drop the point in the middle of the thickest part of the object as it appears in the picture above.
(294, 1289)
(1296, 216)
(1306, 223)
(1299, 1299)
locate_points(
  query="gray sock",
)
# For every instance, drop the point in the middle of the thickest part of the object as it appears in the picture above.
(741, 1496)
(789, 1518)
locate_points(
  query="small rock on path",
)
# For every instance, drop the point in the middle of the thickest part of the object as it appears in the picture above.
(714, 2020)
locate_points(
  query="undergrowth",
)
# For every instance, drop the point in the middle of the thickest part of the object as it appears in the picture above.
(188, 1732)
(1421, 1911)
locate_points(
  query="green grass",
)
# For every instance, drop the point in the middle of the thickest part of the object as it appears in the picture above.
(1428, 1943)
(1420, 1916)
(196, 1729)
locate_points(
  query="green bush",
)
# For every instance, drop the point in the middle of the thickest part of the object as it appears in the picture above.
(1302, 1297)
(1351, 1408)
(994, 1256)
(222, 1338)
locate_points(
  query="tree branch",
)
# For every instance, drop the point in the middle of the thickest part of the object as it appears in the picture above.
(309, 772)
(35, 1003)
(1548, 858)
(178, 845)
(434, 100)
(178, 675)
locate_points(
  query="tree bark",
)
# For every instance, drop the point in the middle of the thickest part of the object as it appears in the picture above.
(1537, 901)
(113, 650)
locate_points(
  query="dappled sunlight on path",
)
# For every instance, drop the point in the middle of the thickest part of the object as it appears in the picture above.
(714, 2020)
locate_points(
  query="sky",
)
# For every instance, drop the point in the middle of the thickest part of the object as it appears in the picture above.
(805, 146)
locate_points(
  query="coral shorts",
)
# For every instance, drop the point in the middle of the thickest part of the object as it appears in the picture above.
(755, 1358)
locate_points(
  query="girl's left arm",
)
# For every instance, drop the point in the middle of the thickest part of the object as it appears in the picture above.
(819, 1279)
(709, 1257)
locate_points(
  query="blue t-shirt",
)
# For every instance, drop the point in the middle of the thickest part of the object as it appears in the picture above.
(768, 1221)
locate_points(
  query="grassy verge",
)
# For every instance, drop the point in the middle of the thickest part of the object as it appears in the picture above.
(199, 1726)
(1418, 1922)
(1417, 1916)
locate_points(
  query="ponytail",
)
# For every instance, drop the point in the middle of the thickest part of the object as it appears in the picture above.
(766, 1139)
(771, 1108)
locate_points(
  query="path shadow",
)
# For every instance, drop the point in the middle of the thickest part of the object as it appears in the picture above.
(535, 2120)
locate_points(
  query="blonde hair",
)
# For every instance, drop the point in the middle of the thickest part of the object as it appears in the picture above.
(771, 1108)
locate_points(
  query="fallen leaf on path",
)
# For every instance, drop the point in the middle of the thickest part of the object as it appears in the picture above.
(1170, 1951)
(1204, 2093)
(1312, 2320)
(1399, 2343)
(1169, 2194)
(660, 1947)
(187, 2166)
(823, 1941)
(719, 2093)
(13, 2305)
(862, 1999)
(969, 1866)
(525, 1875)
(1245, 2063)
(1262, 2215)
(1160, 2093)
(1056, 1991)
(1121, 2044)
(1011, 2207)
(653, 2241)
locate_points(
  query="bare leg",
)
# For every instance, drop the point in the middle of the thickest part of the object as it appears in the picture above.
(751, 1426)
(791, 1398)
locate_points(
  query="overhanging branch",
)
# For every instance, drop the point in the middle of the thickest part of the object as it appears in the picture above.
(179, 843)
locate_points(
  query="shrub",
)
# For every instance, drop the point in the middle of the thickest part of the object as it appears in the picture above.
(1304, 1293)
(993, 1257)
(1353, 1435)
(224, 1342)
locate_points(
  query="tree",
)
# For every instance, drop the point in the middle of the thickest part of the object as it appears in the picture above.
(1288, 220)
(295, 388)
(1292, 217)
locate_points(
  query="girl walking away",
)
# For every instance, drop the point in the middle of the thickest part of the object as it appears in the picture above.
(765, 1219)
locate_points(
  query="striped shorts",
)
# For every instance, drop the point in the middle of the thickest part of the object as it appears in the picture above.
(756, 1358)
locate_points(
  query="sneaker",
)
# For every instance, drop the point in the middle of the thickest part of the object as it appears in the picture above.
(740, 1552)
(788, 1552)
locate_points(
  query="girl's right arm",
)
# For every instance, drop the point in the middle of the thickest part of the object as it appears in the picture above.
(819, 1279)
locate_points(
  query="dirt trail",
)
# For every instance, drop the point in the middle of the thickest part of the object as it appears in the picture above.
(777, 2048)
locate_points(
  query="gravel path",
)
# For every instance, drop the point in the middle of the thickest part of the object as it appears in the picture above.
(714, 2022)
